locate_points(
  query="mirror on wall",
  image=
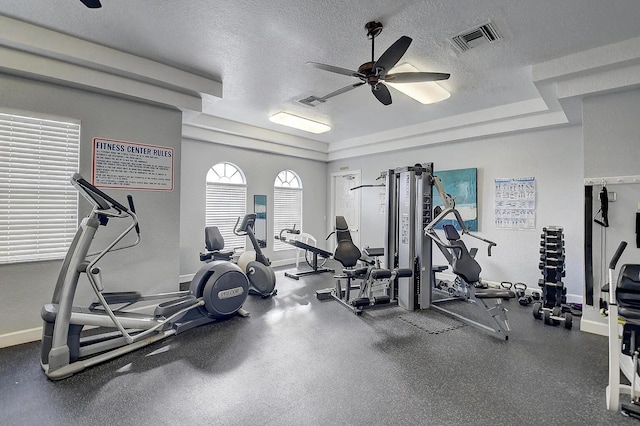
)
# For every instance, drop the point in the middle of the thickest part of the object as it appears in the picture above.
(260, 209)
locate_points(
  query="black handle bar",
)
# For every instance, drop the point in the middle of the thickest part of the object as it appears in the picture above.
(133, 209)
(618, 253)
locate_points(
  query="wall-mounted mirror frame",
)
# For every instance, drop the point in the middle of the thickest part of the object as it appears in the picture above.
(260, 209)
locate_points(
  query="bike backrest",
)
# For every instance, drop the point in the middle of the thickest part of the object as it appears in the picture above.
(213, 239)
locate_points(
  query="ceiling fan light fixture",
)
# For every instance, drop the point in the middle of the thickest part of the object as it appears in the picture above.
(299, 123)
(428, 92)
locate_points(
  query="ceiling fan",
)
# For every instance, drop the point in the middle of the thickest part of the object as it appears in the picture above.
(92, 4)
(375, 72)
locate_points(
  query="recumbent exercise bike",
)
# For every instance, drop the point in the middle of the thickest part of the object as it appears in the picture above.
(257, 267)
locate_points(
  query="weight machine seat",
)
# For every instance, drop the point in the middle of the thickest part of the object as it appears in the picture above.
(628, 292)
(346, 252)
(463, 264)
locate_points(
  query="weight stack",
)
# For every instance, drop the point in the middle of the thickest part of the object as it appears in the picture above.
(551, 265)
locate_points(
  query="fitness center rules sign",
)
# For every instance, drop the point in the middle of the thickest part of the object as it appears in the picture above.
(131, 165)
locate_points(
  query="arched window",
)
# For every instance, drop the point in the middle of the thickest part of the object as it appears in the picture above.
(287, 204)
(226, 201)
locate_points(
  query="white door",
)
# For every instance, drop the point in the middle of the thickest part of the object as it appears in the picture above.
(346, 202)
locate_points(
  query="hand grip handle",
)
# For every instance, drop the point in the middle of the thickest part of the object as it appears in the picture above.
(618, 253)
(132, 207)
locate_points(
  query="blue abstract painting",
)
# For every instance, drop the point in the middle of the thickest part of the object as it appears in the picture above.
(462, 185)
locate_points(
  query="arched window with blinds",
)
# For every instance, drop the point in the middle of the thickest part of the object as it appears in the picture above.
(226, 201)
(287, 205)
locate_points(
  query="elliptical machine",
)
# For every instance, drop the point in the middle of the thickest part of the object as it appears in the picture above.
(262, 278)
(217, 291)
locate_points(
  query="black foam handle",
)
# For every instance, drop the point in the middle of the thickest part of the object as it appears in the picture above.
(638, 229)
(132, 207)
(618, 253)
(404, 272)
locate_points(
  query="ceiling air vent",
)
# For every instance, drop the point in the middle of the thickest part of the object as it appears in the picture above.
(474, 37)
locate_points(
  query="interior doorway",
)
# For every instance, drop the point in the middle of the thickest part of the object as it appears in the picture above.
(345, 202)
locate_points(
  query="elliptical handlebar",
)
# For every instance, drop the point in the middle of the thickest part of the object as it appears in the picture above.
(102, 204)
(132, 207)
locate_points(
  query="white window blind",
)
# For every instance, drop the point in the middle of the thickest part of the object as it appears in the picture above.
(38, 205)
(226, 202)
(287, 211)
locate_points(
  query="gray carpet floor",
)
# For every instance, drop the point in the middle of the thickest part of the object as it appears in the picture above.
(297, 360)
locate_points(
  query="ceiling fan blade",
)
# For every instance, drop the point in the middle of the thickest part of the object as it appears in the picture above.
(415, 77)
(340, 91)
(392, 55)
(336, 70)
(381, 92)
(93, 4)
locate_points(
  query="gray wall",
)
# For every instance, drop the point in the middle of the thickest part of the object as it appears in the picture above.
(612, 148)
(153, 265)
(260, 170)
(554, 157)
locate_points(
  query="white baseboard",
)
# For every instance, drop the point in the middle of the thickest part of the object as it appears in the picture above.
(20, 337)
(185, 278)
(594, 327)
(284, 262)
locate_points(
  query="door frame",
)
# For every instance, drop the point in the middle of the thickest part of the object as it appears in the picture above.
(332, 206)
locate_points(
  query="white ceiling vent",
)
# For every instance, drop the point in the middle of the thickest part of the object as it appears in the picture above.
(476, 36)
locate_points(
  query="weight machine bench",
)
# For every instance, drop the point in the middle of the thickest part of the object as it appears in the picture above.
(468, 271)
(315, 268)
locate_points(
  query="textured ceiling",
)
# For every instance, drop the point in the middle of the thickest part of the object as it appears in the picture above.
(259, 49)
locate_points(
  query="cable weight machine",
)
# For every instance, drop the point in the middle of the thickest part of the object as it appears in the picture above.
(409, 233)
(408, 211)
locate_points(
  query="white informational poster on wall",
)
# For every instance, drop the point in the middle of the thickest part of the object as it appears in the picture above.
(131, 165)
(515, 203)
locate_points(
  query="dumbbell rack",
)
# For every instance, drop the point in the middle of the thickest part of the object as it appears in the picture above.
(554, 293)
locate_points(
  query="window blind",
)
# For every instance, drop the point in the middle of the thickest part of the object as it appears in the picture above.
(287, 211)
(225, 204)
(38, 205)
